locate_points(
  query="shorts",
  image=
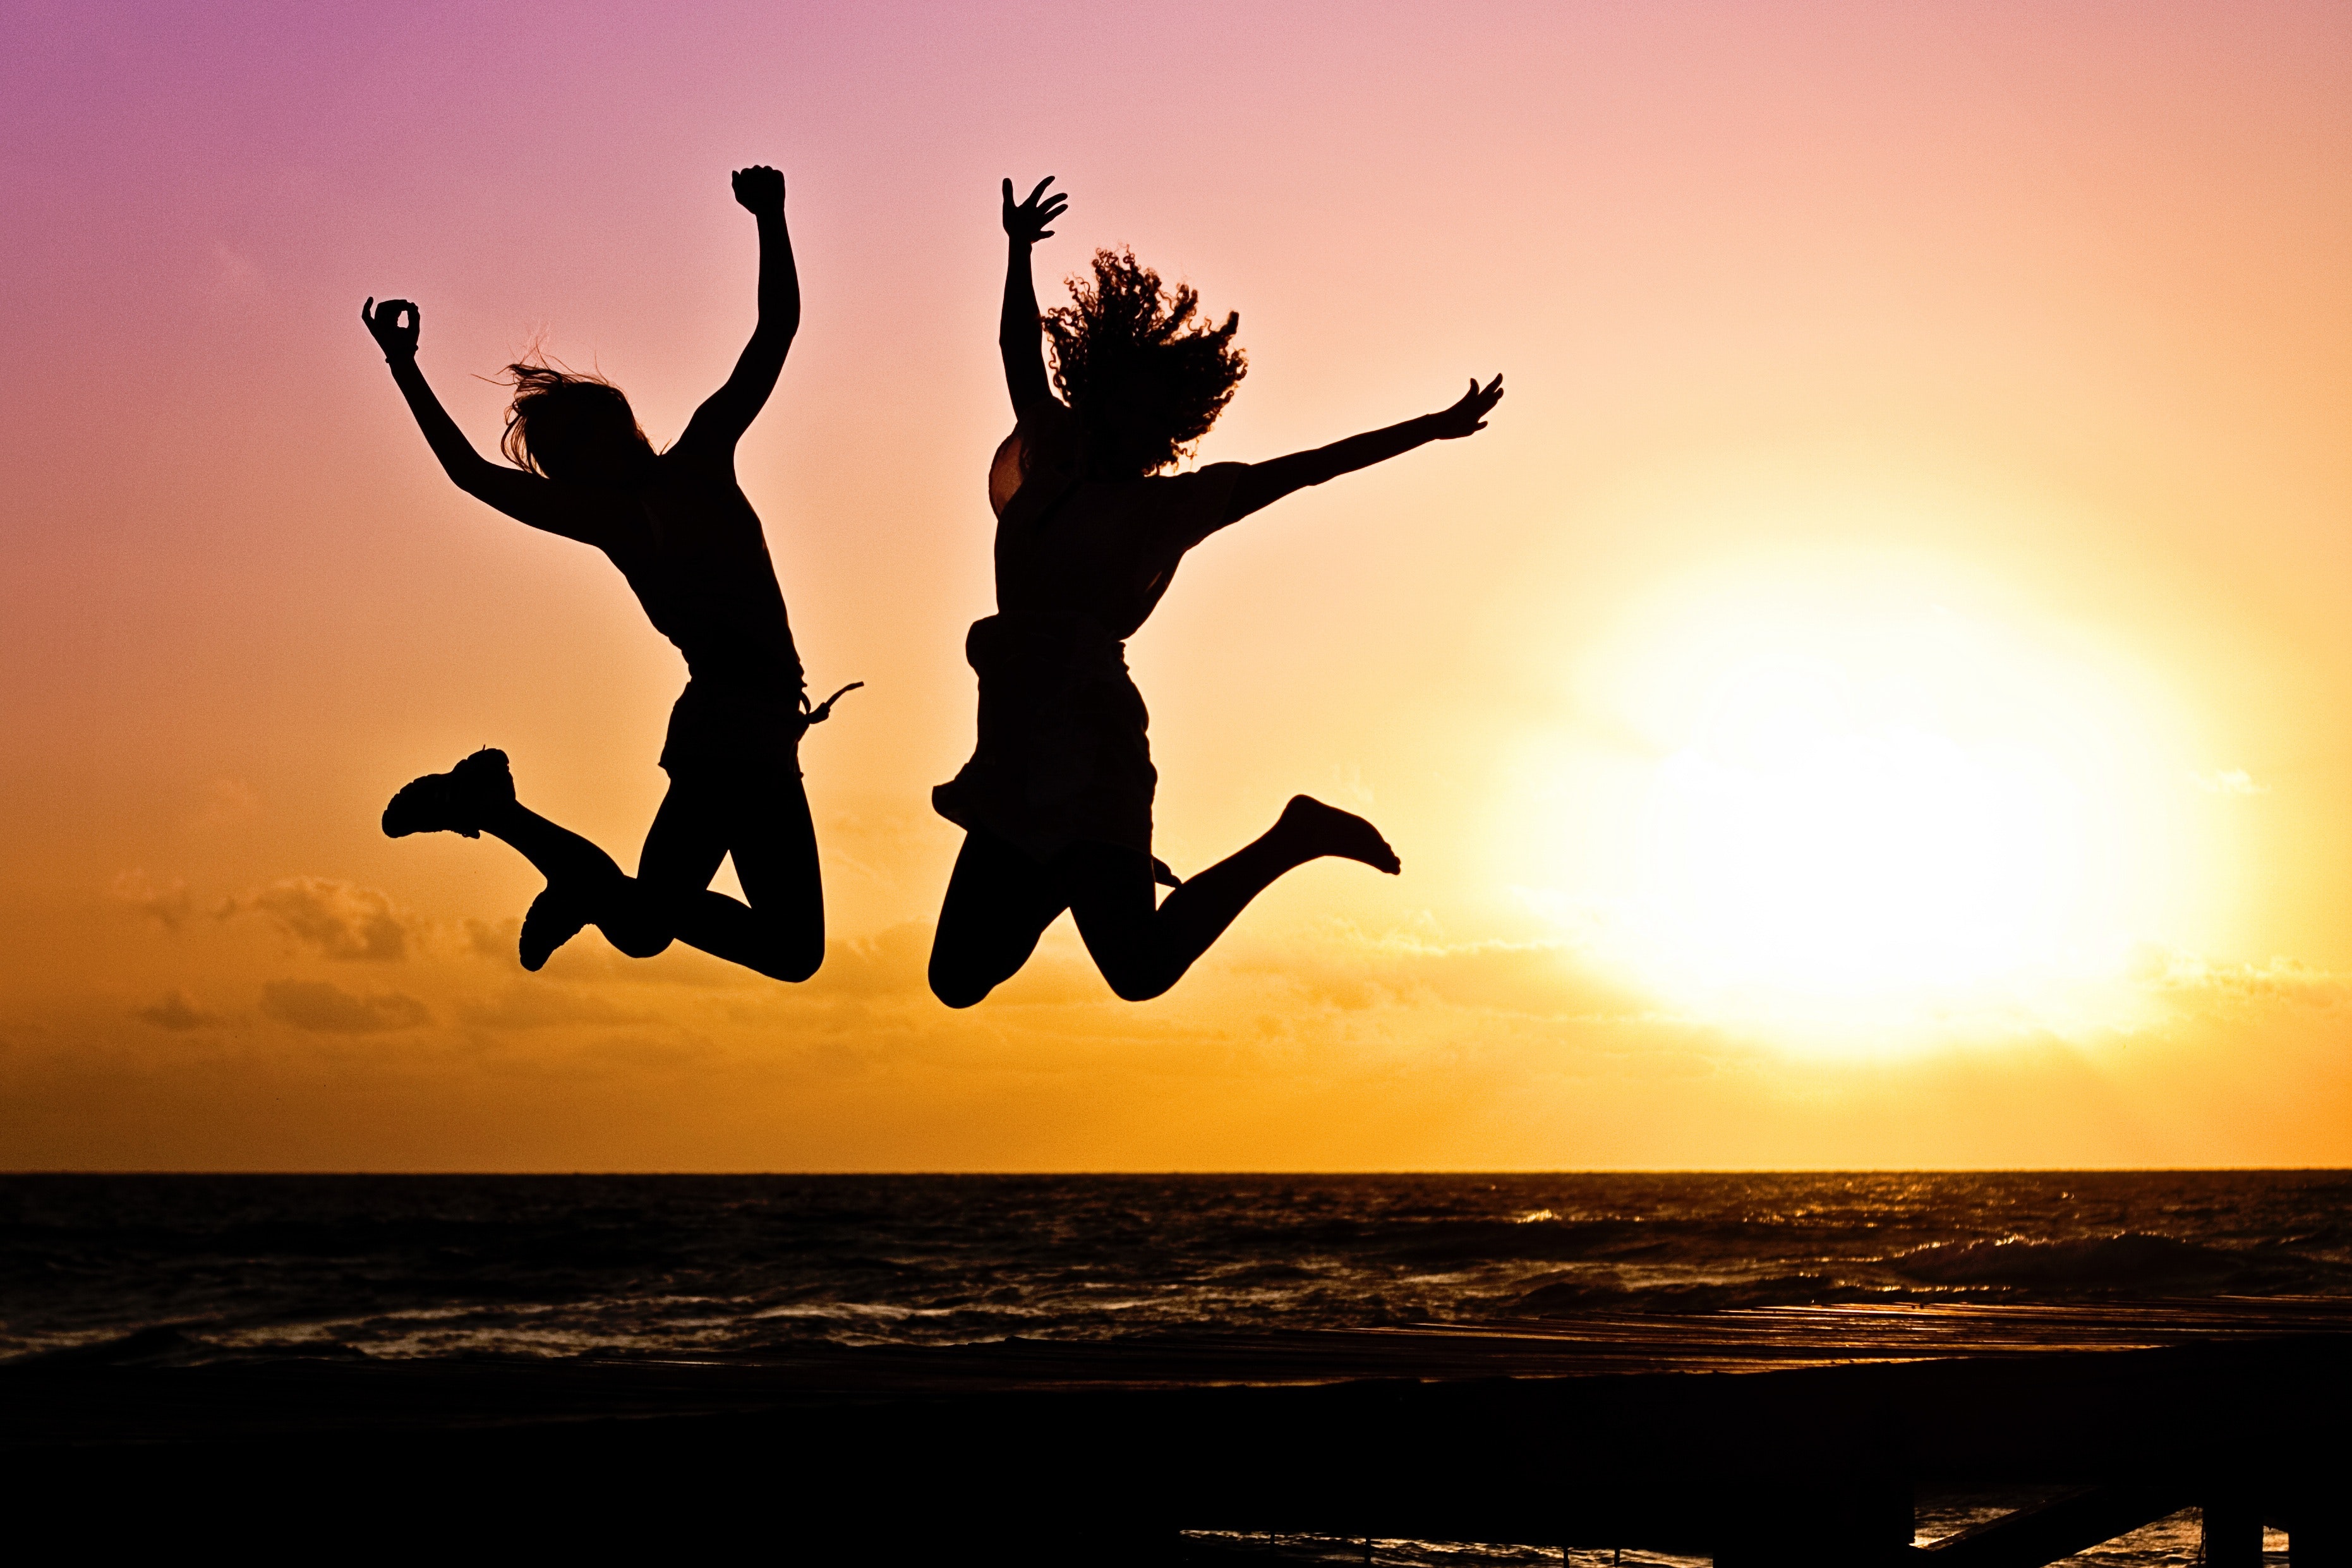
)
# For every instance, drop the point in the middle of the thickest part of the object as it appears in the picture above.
(719, 729)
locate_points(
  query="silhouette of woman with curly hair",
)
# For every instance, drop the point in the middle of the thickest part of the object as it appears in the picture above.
(677, 524)
(1055, 803)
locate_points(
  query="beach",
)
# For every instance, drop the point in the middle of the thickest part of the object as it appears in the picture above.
(408, 1311)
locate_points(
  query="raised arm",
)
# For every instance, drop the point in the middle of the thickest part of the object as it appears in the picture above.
(1265, 483)
(526, 498)
(1017, 330)
(726, 413)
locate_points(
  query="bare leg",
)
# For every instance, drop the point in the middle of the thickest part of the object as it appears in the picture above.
(1142, 951)
(759, 814)
(583, 883)
(584, 886)
(558, 853)
(763, 820)
(999, 902)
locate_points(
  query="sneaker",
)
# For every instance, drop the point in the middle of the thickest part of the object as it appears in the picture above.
(553, 919)
(454, 802)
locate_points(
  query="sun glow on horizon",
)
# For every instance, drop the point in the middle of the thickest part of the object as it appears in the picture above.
(1809, 840)
(1878, 811)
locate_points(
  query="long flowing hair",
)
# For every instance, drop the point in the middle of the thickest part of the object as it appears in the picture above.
(556, 411)
(1144, 374)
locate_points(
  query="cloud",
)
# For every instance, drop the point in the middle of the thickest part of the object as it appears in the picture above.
(335, 919)
(1350, 971)
(2229, 781)
(177, 1011)
(538, 1005)
(2202, 986)
(167, 906)
(495, 939)
(327, 1009)
(1333, 975)
(588, 959)
(891, 962)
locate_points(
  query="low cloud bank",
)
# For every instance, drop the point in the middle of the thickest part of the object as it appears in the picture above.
(324, 1008)
(334, 918)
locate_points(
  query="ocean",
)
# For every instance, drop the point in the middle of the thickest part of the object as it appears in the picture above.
(733, 1268)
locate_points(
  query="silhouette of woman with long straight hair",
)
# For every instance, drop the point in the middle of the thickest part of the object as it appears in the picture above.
(677, 524)
(1055, 803)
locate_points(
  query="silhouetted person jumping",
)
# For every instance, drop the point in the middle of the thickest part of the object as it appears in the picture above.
(678, 525)
(1055, 803)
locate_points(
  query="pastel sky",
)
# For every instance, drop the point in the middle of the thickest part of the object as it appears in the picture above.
(1880, 693)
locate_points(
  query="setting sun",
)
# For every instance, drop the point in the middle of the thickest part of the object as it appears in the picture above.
(1877, 801)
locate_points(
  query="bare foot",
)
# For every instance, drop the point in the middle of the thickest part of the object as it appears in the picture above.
(1319, 830)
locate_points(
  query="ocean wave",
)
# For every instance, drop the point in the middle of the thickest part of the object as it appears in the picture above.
(746, 1266)
(1569, 1298)
(2130, 1261)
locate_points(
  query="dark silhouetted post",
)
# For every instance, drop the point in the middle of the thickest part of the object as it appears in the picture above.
(2233, 1528)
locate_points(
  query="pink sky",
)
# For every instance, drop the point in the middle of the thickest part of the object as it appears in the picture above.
(2053, 296)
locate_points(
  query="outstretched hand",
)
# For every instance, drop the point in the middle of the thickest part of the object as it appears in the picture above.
(1024, 222)
(1469, 414)
(760, 189)
(397, 337)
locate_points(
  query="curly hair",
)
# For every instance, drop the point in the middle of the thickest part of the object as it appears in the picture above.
(1143, 375)
(559, 414)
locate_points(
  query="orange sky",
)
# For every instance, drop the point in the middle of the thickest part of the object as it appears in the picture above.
(1881, 693)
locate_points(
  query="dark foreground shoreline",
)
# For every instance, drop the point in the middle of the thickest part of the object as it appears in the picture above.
(1794, 1434)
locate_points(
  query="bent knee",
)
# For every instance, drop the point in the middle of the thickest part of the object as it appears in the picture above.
(959, 989)
(793, 964)
(635, 941)
(1140, 985)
